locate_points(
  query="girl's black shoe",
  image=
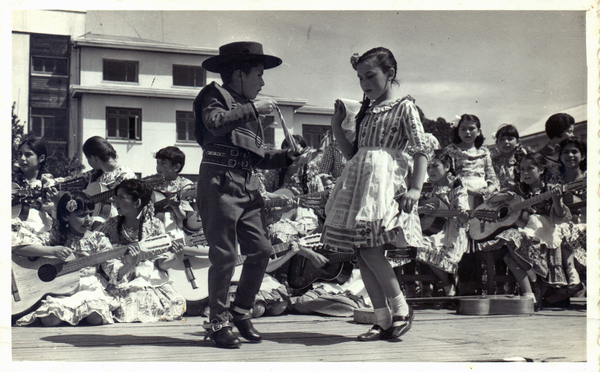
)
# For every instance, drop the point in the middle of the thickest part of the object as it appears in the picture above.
(374, 334)
(401, 324)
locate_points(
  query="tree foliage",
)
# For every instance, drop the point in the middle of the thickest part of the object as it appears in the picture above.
(440, 128)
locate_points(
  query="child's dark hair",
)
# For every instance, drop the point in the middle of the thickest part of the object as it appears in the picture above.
(173, 154)
(299, 140)
(557, 124)
(384, 60)
(580, 145)
(443, 156)
(99, 147)
(539, 161)
(68, 203)
(464, 119)
(226, 71)
(138, 190)
(38, 146)
(507, 130)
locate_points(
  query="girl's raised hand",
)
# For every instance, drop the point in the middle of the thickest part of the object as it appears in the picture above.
(339, 113)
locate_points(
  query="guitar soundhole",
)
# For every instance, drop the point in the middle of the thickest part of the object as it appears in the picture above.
(503, 212)
(47, 273)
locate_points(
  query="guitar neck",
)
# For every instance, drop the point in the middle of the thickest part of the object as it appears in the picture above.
(547, 195)
(151, 181)
(297, 200)
(340, 257)
(103, 196)
(277, 248)
(93, 259)
(450, 213)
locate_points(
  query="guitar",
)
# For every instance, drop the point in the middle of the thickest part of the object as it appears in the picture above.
(190, 277)
(314, 200)
(508, 213)
(433, 221)
(100, 194)
(302, 273)
(35, 277)
(163, 199)
(74, 184)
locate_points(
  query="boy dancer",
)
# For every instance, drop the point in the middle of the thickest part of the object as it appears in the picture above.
(229, 130)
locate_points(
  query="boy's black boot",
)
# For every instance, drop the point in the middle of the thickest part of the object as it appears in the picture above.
(222, 334)
(244, 325)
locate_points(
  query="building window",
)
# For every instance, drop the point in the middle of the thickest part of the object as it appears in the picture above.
(49, 66)
(123, 123)
(52, 126)
(314, 134)
(116, 70)
(185, 126)
(189, 76)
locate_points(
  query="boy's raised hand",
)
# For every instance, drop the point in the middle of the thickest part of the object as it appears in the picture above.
(264, 105)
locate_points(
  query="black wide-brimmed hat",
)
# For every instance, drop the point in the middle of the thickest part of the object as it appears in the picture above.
(237, 52)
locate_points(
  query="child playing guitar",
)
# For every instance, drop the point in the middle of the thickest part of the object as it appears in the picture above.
(175, 209)
(106, 174)
(141, 286)
(535, 234)
(70, 235)
(443, 250)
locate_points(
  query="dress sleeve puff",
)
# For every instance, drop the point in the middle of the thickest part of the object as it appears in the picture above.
(124, 174)
(490, 174)
(416, 134)
(23, 233)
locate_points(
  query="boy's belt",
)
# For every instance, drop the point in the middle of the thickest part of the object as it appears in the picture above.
(227, 156)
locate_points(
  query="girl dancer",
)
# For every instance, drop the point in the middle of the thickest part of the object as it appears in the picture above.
(374, 201)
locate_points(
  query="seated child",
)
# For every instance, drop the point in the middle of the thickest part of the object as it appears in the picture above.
(141, 286)
(70, 235)
(175, 209)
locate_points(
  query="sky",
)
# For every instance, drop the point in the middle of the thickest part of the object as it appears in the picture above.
(515, 67)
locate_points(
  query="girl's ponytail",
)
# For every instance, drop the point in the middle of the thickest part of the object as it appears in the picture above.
(358, 118)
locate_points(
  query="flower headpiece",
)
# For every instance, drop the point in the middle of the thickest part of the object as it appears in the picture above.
(454, 123)
(71, 205)
(354, 60)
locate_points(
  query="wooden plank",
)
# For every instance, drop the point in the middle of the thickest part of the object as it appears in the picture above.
(437, 336)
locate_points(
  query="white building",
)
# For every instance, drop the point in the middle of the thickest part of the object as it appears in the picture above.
(70, 86)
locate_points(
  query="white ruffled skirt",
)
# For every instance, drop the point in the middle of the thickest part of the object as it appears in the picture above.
(361, 210)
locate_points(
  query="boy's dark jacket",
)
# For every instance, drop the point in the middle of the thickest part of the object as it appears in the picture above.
(222, 118)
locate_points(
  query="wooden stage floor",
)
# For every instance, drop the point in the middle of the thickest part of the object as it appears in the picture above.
(438, 335)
